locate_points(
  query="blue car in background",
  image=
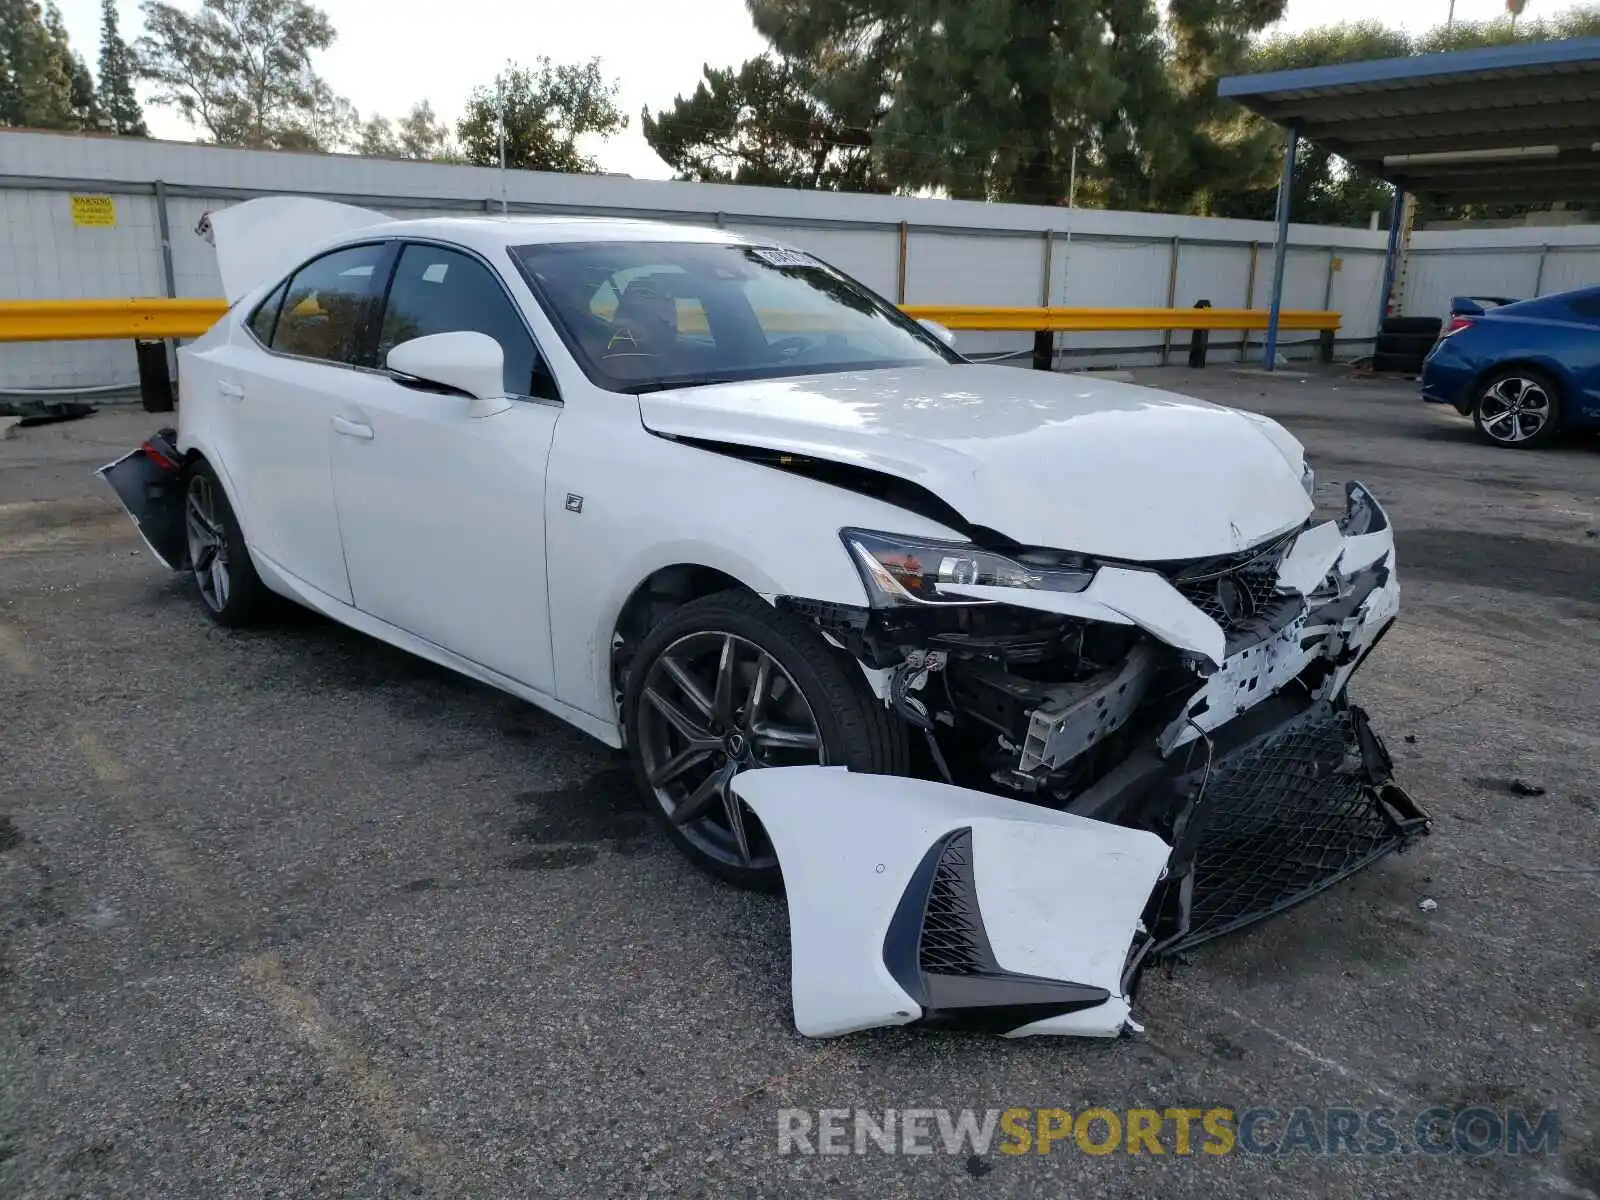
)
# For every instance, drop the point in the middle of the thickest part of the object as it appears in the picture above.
(1523, 371)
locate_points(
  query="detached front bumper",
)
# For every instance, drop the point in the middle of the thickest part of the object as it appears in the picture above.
(1250, 789)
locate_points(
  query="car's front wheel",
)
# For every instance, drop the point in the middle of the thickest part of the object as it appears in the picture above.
(727, 684)
(1517, 407)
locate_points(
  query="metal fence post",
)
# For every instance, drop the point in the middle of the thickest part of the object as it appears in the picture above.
(1044, 350)
(905, 253)
(1280, 258)
(1044, 340)
(1538, 276)
(165, 228)
(169, 280)
(1172, 295)
(1198, 340)
(1249, 297)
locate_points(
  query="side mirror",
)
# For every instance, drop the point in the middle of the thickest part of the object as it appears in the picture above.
(466, 362)
(938, 331)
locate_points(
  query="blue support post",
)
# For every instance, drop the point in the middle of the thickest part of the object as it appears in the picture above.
(1269, 359)
(1391, 253)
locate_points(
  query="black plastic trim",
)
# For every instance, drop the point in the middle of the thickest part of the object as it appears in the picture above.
(979, 994)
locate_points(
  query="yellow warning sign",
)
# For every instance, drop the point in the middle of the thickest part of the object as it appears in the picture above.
(94, 210)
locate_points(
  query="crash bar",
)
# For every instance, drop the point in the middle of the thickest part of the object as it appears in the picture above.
(89, 320)
(1057, 320)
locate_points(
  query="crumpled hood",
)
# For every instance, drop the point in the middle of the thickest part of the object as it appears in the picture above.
(1061, 461)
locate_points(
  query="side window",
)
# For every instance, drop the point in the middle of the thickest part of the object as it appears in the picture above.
(266, 314)
(325, 309)
(436, 290)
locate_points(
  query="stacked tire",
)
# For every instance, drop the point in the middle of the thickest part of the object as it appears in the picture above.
(1403, 342)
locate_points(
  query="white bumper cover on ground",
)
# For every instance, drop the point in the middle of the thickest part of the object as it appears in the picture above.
(1058, 897)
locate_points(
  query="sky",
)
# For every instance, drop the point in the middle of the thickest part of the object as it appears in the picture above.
(392, 53)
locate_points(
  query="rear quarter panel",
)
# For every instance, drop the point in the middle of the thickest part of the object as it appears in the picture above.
(202, 418)
(1566, 350)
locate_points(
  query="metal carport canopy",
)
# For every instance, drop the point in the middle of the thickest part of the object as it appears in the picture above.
(1535, 105)
(1501, 124)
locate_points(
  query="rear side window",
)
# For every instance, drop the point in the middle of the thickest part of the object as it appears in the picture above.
(324, 312)
(266, 314)
(436, 290)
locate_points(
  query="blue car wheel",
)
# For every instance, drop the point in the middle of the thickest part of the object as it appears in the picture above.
(1517, 407)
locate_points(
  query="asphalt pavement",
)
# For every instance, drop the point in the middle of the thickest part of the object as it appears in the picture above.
(288, 913)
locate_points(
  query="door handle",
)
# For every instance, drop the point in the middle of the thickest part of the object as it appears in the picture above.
(230, 390)
(352, 428)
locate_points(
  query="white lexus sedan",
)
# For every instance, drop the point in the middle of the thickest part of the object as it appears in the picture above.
(708, 499)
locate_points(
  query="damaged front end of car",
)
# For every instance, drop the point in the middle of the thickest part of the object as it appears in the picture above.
(1197, 706)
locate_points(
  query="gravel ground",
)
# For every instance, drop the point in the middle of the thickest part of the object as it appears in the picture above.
(288, 913)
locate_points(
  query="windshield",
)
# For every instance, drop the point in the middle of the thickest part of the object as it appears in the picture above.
(642, 316)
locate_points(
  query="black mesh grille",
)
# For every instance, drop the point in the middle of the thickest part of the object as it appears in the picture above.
(952, 935)
(1233, 596)
(1281, 818)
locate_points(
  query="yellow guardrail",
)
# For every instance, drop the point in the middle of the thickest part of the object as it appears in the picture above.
(89, 320)
(86, 320)
(1033, 320)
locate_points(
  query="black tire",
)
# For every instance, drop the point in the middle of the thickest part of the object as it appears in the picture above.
(1411, 325)
(1411, 344)
(1399, 364)
(213, 541)
(852, 726)
(1492, 394)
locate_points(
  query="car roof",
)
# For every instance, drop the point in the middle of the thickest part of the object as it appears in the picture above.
(1550, 302)
(492, 231)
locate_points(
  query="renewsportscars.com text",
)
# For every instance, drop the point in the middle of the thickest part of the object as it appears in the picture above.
(1217, 1130)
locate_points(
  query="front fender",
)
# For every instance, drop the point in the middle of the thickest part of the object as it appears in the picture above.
(622, 503)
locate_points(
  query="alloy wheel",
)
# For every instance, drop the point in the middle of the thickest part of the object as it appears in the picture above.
(208, 543)
(715, 704)
(1514, 409)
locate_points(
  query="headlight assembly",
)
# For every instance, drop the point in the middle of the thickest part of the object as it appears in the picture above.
(903, 570)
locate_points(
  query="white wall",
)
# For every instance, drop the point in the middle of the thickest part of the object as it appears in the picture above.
(957, 252)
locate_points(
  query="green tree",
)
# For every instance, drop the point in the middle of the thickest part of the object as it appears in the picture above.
(328, 123)
(987, 99)
(241, 70)
(418, 135)
(1580, 21)
(422, 135)
(36, 86)
(377, 140)
(547, 110)
(117, 101)
(762, 124)
(971, 92)
(83, 106)
(1172, 141)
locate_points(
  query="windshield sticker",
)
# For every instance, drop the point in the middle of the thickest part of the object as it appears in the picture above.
(777, 256)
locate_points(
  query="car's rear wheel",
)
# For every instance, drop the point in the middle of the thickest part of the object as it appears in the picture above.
(1518, 407)
(727, 684)
(229, 587)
